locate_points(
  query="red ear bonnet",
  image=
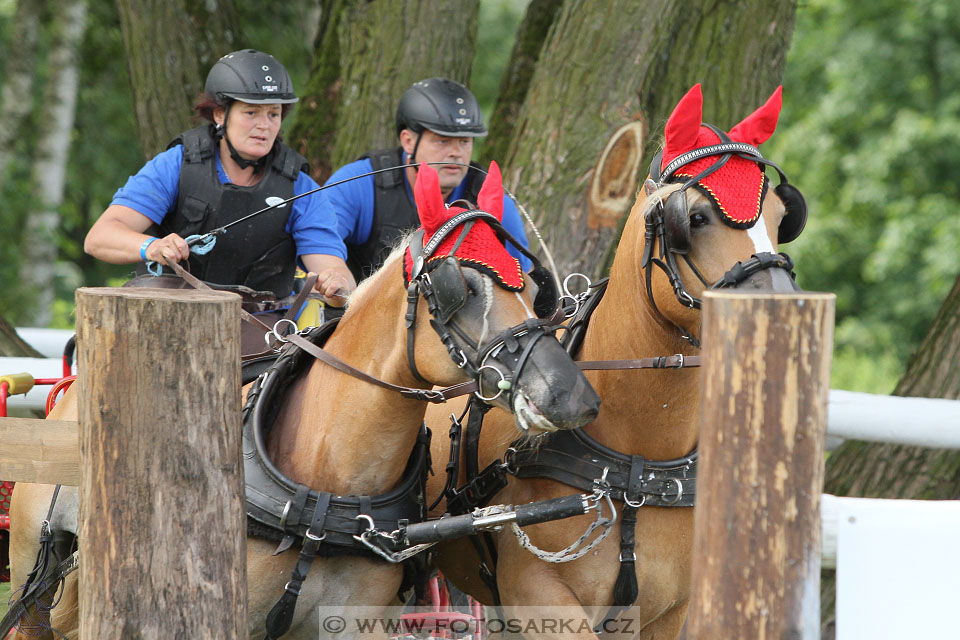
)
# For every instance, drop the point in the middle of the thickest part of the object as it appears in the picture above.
(738, 187)
(481, 249)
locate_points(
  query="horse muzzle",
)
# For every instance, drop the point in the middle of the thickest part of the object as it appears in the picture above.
(763, 272)
(552, 393)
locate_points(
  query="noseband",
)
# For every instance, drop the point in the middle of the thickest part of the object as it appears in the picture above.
(666, 259)
(442, 286)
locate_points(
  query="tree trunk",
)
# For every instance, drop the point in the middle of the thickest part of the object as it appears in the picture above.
(516, 79)
(50, 164)
(607, 64)
(878, 470)
(16, 98)
(12, 345)
(171, 45)
(366, 55)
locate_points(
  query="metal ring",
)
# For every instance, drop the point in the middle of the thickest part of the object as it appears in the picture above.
(315, 538)
(479, 391)
(635, 505)
(575, 302)
(277, 324)
(286, 512)
(566, 289)
(508, 465)
(679, 493)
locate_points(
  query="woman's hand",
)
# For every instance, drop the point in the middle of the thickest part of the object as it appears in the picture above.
(171, 248)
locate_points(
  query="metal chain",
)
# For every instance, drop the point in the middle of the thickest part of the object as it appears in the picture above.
(570, 553)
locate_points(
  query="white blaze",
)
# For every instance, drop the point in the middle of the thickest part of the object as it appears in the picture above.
(758, 233)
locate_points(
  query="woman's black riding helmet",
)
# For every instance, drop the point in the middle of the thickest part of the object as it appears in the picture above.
(250, 76)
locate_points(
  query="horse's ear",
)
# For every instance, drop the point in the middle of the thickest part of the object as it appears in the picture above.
(683, 126)
(490, 198)
(757, 127)
(430, 205)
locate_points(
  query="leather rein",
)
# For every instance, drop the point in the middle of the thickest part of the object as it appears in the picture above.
(421, 285)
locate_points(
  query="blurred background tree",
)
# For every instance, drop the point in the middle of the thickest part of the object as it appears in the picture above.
(869, 132)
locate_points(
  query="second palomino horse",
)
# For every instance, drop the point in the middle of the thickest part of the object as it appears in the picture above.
(707, 219)
(328, 456)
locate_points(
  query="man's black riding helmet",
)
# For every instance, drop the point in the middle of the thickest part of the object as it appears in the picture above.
(442, 106)
(251, 76)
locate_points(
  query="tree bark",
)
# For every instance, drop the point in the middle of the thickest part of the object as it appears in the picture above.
(19, 69)
(878, 470)
(607, 64)
(171, 45)
(12, 345)
(53, 149)
(366, 55)
(516, 79)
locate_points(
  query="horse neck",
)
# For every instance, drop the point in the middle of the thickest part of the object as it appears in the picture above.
(654, 413)
(344, 434)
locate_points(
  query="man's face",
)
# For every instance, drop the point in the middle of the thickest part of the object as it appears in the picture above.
(436, 148)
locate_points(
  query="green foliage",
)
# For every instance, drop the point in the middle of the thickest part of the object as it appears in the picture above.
(496, 31)
(871, 133)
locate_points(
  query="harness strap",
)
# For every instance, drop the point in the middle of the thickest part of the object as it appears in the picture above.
(625, 590)
(281, 615)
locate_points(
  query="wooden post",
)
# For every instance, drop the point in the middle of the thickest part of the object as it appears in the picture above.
(162, 525)
(756, 558)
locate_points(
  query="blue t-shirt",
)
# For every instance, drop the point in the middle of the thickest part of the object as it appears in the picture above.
(153, 192)
(353, 202)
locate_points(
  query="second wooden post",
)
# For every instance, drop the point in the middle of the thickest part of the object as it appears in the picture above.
(756, 559)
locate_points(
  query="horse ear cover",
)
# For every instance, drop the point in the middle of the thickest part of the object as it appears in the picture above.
(481, 249)
(426, 192)
(683, 127)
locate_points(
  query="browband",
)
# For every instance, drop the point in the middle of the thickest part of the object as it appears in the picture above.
(712, 150)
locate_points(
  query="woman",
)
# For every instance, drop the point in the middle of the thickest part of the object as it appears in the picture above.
(220, 172)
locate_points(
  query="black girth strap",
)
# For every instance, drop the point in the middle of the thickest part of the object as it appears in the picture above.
(625, 590)
(281, 615)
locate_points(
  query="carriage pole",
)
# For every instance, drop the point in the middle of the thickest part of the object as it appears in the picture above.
(162, 529)
(756, 558)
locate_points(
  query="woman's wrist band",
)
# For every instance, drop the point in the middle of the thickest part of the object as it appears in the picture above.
(143, 248)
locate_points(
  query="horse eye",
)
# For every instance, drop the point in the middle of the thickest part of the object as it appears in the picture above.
(698, 220)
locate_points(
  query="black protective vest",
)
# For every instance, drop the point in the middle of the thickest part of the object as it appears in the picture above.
(394, 213)
(259, 253)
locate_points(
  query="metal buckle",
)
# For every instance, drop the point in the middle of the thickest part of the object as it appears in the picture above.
(663, 495)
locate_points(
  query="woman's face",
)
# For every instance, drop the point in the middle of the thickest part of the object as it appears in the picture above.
(251, 128)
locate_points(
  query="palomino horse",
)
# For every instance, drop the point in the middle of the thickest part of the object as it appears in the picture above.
(353, 438)
(705, 220)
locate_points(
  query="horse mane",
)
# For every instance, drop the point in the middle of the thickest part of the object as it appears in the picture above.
(367, 283)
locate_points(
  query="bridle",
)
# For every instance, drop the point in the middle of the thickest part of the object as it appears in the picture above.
(661, 221)
(440, 282)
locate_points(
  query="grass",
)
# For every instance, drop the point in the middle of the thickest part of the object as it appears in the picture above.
(4, 596)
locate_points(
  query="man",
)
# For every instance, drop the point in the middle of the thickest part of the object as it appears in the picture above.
(437, 120)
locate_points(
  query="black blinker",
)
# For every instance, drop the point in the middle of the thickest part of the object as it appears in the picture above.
(449, 288)
(676, 222)
(547, 297)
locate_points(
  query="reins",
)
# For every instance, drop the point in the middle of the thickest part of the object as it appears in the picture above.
(428, 395)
